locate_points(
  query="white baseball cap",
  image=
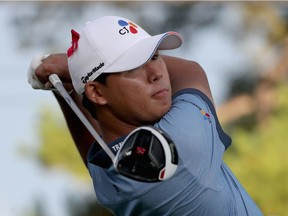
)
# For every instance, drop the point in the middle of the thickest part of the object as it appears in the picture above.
(112, 44)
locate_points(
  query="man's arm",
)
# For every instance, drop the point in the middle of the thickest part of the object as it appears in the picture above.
(57, 63)
(81, 136)
(187, 74)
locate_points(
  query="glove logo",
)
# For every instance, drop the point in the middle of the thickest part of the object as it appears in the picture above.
(128, 27)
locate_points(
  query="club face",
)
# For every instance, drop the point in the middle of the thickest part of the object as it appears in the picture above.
(147, 156)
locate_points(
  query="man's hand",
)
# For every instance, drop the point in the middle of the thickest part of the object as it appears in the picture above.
(42, 66)
(32, 78)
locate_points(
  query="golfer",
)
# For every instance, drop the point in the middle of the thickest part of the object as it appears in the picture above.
(120, 81)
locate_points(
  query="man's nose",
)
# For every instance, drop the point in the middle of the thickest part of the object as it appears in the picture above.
(154, 73)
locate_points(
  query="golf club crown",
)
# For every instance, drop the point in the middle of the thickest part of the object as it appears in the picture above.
(147, 154)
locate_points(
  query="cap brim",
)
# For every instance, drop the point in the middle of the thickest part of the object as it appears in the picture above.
(142, 51)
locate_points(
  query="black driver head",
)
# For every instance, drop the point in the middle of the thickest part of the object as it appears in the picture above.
(148, 155)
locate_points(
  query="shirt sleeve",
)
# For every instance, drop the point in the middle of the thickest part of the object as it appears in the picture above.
(193, 125)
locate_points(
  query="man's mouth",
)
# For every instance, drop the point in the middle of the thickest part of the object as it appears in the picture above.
(160, 93)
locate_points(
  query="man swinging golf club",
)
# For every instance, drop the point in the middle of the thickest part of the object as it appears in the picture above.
(121, 83)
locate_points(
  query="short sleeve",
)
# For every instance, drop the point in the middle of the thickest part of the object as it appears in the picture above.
(193, 125)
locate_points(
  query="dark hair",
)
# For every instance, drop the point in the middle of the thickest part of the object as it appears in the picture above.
(102, 78)
(86, 102)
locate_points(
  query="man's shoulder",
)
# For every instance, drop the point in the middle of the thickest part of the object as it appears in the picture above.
(190, 91)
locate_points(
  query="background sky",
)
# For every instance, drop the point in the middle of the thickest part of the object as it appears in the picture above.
(22, 180)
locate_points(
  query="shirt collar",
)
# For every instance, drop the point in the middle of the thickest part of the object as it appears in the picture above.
(98, 156)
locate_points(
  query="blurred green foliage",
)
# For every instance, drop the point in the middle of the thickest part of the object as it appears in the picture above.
(258, 157)
(58, 151)
(57, 147)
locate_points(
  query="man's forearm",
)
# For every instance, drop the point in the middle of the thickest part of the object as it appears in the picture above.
(81, 136)
(187, 74)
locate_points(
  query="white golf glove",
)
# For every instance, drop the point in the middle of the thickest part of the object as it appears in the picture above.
(32, 78)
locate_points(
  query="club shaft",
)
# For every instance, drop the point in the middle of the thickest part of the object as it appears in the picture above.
(54, 79)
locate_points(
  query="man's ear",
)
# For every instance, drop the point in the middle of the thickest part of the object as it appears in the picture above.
(94, 93)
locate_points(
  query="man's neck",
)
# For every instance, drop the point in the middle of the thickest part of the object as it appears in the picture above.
(112, 128)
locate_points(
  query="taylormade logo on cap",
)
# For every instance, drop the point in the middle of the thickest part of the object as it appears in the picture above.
(127, 28)
(94, 70)
(112, 44)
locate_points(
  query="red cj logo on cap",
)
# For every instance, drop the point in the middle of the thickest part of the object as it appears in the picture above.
(127, 27)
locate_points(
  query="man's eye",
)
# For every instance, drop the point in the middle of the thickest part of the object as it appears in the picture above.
(155, 57)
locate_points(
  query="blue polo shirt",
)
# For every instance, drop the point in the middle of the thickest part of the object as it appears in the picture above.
(202, 184)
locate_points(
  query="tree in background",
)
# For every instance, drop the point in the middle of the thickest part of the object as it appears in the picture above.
(258, 155)
(256, 116)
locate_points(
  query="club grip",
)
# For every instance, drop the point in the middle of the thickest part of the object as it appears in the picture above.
(54, 79)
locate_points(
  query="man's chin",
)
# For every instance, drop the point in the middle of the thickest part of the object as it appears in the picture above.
(161, 114)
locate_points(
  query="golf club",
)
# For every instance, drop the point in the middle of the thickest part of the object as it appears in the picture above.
(147, 154)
